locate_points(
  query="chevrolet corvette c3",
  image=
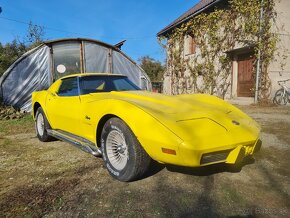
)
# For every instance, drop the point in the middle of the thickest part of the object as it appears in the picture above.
(107, 115)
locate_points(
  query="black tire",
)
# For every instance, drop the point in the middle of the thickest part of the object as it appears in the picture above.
(41, 120)
(124, 162)
(280, 98)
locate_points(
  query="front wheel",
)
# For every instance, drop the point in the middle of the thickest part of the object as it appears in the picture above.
(41, 126)
(124, 157)
(280, 97)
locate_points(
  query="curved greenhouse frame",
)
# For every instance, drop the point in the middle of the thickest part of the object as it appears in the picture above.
(38, 68)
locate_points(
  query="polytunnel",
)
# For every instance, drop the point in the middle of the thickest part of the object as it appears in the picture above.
(38, 68)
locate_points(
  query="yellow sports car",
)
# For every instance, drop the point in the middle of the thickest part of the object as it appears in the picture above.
(107, 115)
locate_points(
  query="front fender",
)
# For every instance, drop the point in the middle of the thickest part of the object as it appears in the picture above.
(38, 98)
(150, 132)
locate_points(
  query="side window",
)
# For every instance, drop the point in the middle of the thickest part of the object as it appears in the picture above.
(69, 87)
(123, 84)
(92, 85)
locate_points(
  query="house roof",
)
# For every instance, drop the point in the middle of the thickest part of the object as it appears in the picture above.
(195, 10)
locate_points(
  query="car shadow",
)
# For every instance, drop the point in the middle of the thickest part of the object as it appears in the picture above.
(153, 169)
(211, 169)
(156, 167)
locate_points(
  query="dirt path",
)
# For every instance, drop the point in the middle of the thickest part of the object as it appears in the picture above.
(56, 179)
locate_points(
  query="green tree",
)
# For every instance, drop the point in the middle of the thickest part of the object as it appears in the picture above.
(152, 67)
(35, 35)
(11, 51)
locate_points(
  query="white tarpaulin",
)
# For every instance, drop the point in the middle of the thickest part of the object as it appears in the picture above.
(30, 74)
(38, 68)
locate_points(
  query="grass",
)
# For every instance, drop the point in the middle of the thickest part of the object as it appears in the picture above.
(36, 200)
(56, 179)
(5, 142)
(281, 130)
(22, 125)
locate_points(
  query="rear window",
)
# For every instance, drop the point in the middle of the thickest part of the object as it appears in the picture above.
(93, 84)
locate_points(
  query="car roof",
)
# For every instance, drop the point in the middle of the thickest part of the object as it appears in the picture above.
(92, 74)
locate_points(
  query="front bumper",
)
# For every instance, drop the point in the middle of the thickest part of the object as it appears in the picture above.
(231, 154)
(240, 152)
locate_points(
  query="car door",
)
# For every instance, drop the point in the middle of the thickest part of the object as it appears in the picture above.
(91, 108)
(63, 107)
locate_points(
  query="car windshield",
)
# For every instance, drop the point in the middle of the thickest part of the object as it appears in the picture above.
(92, 84)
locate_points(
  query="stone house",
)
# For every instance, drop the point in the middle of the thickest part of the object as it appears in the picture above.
(241, 82)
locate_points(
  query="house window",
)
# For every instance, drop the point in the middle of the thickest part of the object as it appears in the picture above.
(189, 45)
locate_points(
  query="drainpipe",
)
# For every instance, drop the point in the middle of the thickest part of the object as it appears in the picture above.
(259, 55)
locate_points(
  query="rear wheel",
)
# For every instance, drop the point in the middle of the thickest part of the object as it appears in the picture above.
(124, 157)
(41, 126)
(281, 97)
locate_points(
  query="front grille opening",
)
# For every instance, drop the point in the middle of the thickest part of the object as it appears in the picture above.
(214, 157)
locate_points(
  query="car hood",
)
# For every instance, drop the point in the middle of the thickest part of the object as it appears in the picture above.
(176, 107)
(186, 111)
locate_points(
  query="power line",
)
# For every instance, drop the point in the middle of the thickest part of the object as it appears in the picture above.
(76, 33)
(45, 27)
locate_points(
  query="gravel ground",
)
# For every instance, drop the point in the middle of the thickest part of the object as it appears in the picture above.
(57, 180)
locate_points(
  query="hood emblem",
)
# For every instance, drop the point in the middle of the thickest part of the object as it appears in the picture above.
(235, 122)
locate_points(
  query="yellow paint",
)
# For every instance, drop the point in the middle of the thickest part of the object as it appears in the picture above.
(191, 125)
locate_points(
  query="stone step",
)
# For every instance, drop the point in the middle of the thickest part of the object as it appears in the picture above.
(242, 100)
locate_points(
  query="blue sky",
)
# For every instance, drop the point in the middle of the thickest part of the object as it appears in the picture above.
(106, 20)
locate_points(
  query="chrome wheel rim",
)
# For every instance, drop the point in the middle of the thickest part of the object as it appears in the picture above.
(40, 124)
(117, 150)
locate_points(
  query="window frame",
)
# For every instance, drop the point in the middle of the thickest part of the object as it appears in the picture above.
(191, 45)
(53, 50)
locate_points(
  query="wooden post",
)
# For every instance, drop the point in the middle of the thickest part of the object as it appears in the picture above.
(82, 57)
